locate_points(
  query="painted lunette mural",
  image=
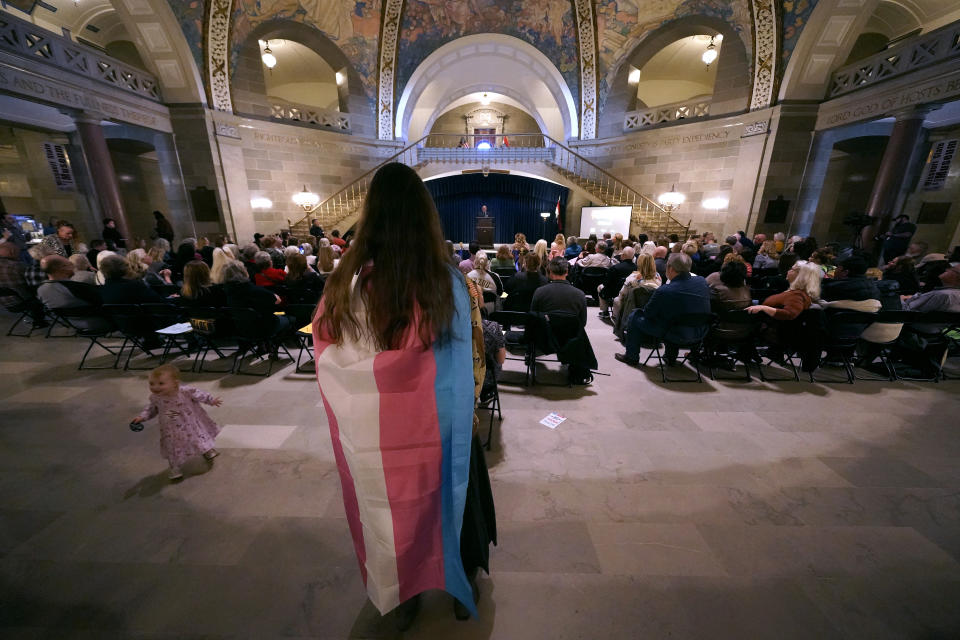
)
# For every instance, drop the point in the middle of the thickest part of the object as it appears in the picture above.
(189, 14)
(352, 26)
(546, 24)
(622, 23)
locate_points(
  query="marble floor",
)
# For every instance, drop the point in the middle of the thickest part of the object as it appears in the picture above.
(717, 510)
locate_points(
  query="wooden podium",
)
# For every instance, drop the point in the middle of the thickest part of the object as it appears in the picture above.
(485, 231)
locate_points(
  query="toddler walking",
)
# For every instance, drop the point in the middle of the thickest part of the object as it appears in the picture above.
(185, 428)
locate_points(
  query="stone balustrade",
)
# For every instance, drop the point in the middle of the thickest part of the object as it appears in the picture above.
(644, 118)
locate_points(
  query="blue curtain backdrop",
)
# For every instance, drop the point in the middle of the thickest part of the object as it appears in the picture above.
(514, 202)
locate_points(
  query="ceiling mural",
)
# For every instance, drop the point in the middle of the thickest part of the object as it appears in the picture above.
(795, 16)
(546, 24)
(353, 26)
(189, 14)
(621, 24)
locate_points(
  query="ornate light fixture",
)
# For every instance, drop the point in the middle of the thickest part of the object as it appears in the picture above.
(671, 200)
(306, 200)
(261, 203)
(484, 99)
(715, 203)
(710, 54)
(269, 60)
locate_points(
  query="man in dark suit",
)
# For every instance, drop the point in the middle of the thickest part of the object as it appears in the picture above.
(655, 322)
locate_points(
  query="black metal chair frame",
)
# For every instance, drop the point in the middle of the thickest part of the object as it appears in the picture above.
(21, 307)
(493, 405)
(121, 314)
(208, 341)
(844, 347)
(743, 344)
(66, 316)
(258, 345)
(888, 317)
(686, 319)
(951, 320)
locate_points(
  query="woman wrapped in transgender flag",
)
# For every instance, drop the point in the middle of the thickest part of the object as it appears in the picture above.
(395, 353)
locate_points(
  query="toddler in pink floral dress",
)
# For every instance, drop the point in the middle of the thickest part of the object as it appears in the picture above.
(185, 428)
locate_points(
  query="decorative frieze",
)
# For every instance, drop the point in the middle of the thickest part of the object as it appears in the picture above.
(218, 56)
(586, 29)
(765, 52)
(388, 60)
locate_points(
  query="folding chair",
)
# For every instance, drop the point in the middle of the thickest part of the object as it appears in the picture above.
(734, 334)
(842, 336)
(170, 328)
(211, 329)
(79, 320)
(493, 403)
(591, 278)
(137, 330)
(879, 337)
(691, 320)
(937, 342)
(24, 307)
(253, 335)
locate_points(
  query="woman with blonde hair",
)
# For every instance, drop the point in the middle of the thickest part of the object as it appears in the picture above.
(220, 261)
(767, 257)
(558, 246)
(541, 250)
(804, 278)
(139, 263)
(326, 259)
(481, 274)
(645, 276)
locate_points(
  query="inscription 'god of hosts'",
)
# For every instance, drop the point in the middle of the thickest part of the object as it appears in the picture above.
(885, 104)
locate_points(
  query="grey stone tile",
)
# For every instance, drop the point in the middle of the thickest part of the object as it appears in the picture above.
(653, 549)
(879, 471)
(544, 547)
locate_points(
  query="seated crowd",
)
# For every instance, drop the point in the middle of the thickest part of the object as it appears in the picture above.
(644, 287)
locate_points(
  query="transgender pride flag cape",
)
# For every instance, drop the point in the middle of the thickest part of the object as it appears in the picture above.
(401, 423)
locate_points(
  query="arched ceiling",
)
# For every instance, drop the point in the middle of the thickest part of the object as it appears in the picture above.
(496, 63)
(301, 75)
(677, 72)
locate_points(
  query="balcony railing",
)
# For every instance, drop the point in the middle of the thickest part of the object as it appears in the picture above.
(910, 55)
(643, 118)
(327, 118)
(39, 45)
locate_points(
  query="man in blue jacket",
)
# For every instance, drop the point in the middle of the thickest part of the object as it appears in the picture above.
(655, 322)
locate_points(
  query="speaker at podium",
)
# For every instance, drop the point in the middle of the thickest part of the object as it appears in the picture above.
(485, 231)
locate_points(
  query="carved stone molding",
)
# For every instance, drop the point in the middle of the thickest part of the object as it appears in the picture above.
(218, 55)
(766, 49)
(755, 128)
(227, 130)
(388, 60)
(586, 28)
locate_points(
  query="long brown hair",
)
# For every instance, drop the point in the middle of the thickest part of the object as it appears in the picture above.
(403, 287)
(196, 279)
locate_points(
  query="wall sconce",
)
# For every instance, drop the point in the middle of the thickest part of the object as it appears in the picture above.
(261, 203)
(715, 204)
(634, 76)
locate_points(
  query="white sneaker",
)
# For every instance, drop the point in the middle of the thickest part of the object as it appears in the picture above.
(175, 473)
(211, 454)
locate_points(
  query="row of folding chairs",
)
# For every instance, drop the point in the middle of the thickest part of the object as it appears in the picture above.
(818, 341)
(161, 331)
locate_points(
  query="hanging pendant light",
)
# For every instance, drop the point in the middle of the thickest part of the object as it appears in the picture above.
(485, 99)
(672, 199)
(269, 60)
(710, 54)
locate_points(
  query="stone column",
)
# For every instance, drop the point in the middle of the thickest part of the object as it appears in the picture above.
(906, 134)
(101, 170)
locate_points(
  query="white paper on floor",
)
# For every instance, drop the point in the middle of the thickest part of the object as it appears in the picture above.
(553, 420)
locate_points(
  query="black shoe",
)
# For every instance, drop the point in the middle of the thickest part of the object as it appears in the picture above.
(406, 613)
(622, 357)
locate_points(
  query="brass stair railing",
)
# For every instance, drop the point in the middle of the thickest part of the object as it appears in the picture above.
(347, 201)
(490, 151)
